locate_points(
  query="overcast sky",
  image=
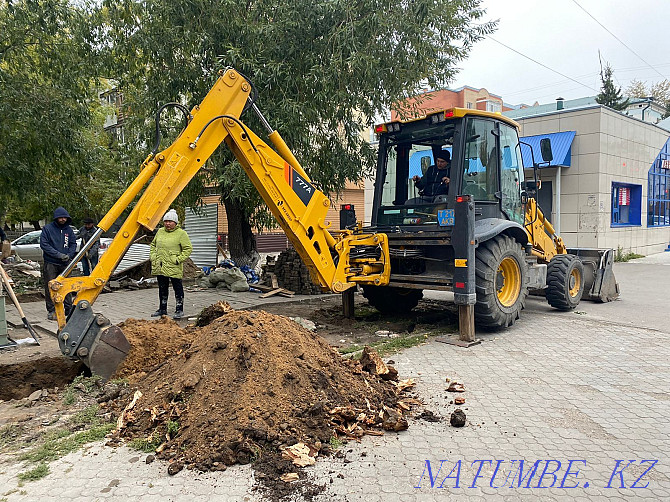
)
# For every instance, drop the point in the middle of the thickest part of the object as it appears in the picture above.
(560, 35)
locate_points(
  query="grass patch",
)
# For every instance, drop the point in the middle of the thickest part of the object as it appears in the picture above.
(396, 344)
(146, 445)
(336, 443)
(391, 346)
(86, 416)
(81, 384)
(34, 474)
(172, 428)
(350, 349)
(620, 256)
(8, 435)
(63, 442)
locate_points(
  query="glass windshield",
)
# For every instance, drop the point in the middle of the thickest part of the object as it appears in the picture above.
(480, 169)
(417, 178)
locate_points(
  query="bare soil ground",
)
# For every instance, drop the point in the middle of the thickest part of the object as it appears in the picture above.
(325, 311)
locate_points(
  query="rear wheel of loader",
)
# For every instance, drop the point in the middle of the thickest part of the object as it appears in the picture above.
(501, 282)
(565, 281)
(389, 300)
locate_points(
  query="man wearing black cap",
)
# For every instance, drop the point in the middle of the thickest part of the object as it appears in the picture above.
(90, 259)
(436, 180)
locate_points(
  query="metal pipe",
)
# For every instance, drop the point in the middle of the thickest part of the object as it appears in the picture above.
(81, 252)
(279, 143)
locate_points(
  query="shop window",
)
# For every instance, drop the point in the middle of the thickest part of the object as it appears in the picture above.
(658, 199)
(626, 204)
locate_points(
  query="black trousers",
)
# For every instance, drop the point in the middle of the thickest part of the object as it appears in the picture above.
(164, 291)
(50, 272)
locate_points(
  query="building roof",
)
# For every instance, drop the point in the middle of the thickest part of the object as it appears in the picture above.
(561, 148)
(550, 107)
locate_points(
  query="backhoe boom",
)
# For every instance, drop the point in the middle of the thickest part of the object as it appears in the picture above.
(299, 207)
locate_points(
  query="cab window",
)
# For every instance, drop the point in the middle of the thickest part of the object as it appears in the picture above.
(480, 169)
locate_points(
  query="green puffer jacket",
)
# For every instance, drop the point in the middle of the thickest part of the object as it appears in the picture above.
(169, 251)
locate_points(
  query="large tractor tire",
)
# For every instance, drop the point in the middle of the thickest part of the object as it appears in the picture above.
(501, 282)
(390, 300)
(565, 281)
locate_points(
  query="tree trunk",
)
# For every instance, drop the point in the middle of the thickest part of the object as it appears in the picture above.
(36, 225)
(241, 240)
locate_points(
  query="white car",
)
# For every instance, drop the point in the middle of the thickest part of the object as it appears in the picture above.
(28, 248)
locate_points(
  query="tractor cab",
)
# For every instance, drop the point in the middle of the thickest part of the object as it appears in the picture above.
(413, 190)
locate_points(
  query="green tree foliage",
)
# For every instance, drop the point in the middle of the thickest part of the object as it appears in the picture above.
(322, 69)
(610, 95)
(50, 133)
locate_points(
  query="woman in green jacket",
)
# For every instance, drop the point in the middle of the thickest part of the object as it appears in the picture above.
(169, 250)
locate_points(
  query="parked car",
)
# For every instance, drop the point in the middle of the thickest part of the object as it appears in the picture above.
(28, 248)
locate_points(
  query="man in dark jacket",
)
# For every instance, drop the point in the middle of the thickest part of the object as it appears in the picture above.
(436, 180)
(90, 259)
(59, 246)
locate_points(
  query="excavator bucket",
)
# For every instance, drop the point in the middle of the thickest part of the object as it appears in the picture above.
(599, 282)
(92, 339)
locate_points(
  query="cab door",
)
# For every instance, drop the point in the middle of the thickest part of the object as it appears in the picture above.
(511, 174)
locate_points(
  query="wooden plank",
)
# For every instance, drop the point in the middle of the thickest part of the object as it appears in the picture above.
(273, 278)
(348, 303)
(271, 293)
(466, 323)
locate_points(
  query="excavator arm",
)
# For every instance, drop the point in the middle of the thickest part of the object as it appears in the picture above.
(337, 260)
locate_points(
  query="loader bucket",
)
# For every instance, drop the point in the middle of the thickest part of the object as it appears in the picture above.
(599, 282)
(92, 339)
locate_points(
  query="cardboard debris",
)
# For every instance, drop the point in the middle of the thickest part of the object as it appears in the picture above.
(289, 477)
(125, 415)
(299, 454)
(456, 387)
(405, 384)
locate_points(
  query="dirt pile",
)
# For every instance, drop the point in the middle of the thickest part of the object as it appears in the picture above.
(250, 383)
(152, 343)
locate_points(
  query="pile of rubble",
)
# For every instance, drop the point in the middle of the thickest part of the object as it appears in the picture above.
(24, 274)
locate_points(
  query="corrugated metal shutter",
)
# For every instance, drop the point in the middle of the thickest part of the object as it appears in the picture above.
(202, 230)
(136, 254)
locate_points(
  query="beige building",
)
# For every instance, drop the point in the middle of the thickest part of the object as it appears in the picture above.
(614, 193)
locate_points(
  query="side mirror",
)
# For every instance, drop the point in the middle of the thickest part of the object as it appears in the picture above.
(545, 149)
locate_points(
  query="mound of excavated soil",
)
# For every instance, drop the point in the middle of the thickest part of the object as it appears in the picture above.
(151, 343)
(251, 381)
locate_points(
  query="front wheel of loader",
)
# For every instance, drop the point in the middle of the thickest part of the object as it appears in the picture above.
(565, 281)
(389, 300)
(501, 282)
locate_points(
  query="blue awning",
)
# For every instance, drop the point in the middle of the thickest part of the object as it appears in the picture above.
(561, 146)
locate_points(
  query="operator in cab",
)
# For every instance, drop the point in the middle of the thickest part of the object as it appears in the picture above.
(436, 180)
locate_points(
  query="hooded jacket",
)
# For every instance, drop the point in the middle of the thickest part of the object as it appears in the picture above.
(169, 251)
(58, 240)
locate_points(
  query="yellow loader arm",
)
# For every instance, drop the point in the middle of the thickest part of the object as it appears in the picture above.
(541, 234)
(300, 209)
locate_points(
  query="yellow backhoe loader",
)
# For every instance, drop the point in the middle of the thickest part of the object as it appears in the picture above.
(472, 239)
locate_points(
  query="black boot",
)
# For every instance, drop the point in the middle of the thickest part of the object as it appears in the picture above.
(179, 310)
(162, 309)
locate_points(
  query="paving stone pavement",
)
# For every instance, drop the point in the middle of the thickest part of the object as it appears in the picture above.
(553, 388)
